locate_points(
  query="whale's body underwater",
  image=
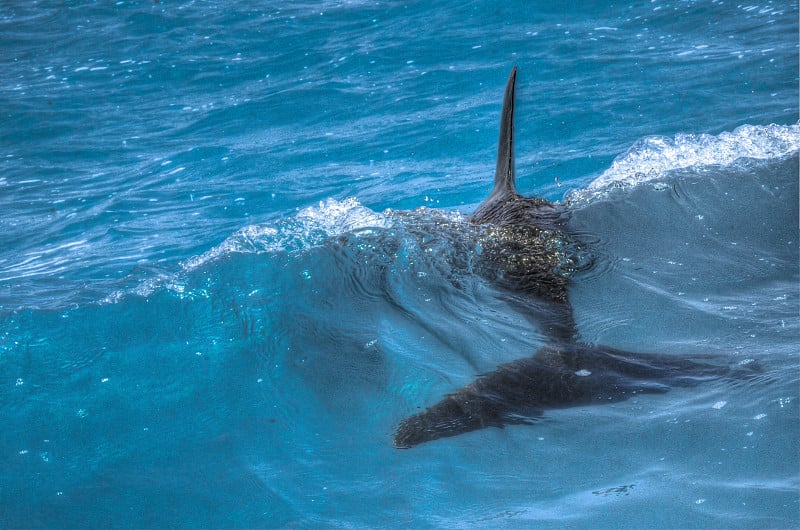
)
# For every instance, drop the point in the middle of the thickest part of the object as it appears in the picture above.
(522, 241)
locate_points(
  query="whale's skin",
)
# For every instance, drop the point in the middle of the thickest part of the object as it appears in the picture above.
(522, 242)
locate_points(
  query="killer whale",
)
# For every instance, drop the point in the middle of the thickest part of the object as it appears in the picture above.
(522, 241)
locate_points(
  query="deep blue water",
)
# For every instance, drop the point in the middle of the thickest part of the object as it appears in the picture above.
(209, 318)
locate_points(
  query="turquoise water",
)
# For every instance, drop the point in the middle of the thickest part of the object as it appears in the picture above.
(209, 318)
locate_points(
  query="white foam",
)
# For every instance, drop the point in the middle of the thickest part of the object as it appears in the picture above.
(309, 228)
(654, 157)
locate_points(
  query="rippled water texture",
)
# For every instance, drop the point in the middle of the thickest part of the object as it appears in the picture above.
(235, 254)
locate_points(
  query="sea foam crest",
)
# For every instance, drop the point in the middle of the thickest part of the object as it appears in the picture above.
(654, 157)
(309, 228)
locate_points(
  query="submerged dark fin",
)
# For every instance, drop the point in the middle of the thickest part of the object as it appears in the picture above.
(558, 376)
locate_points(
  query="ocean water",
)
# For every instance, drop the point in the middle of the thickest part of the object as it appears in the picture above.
(214, 310)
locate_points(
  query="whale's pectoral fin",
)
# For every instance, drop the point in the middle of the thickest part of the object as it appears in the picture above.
(457, 413)
(558, 376)
(509, 395)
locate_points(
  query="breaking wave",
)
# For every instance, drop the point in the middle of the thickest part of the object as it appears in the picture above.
(309, 228)
(655, 158)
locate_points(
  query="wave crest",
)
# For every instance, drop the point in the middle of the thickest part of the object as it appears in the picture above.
(654, 157)
(309, 228)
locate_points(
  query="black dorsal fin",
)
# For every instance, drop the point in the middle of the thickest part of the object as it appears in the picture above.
(505, 186)
(504, 177)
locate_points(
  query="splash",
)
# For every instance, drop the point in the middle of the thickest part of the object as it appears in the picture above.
(655, 157)
(309, 228)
